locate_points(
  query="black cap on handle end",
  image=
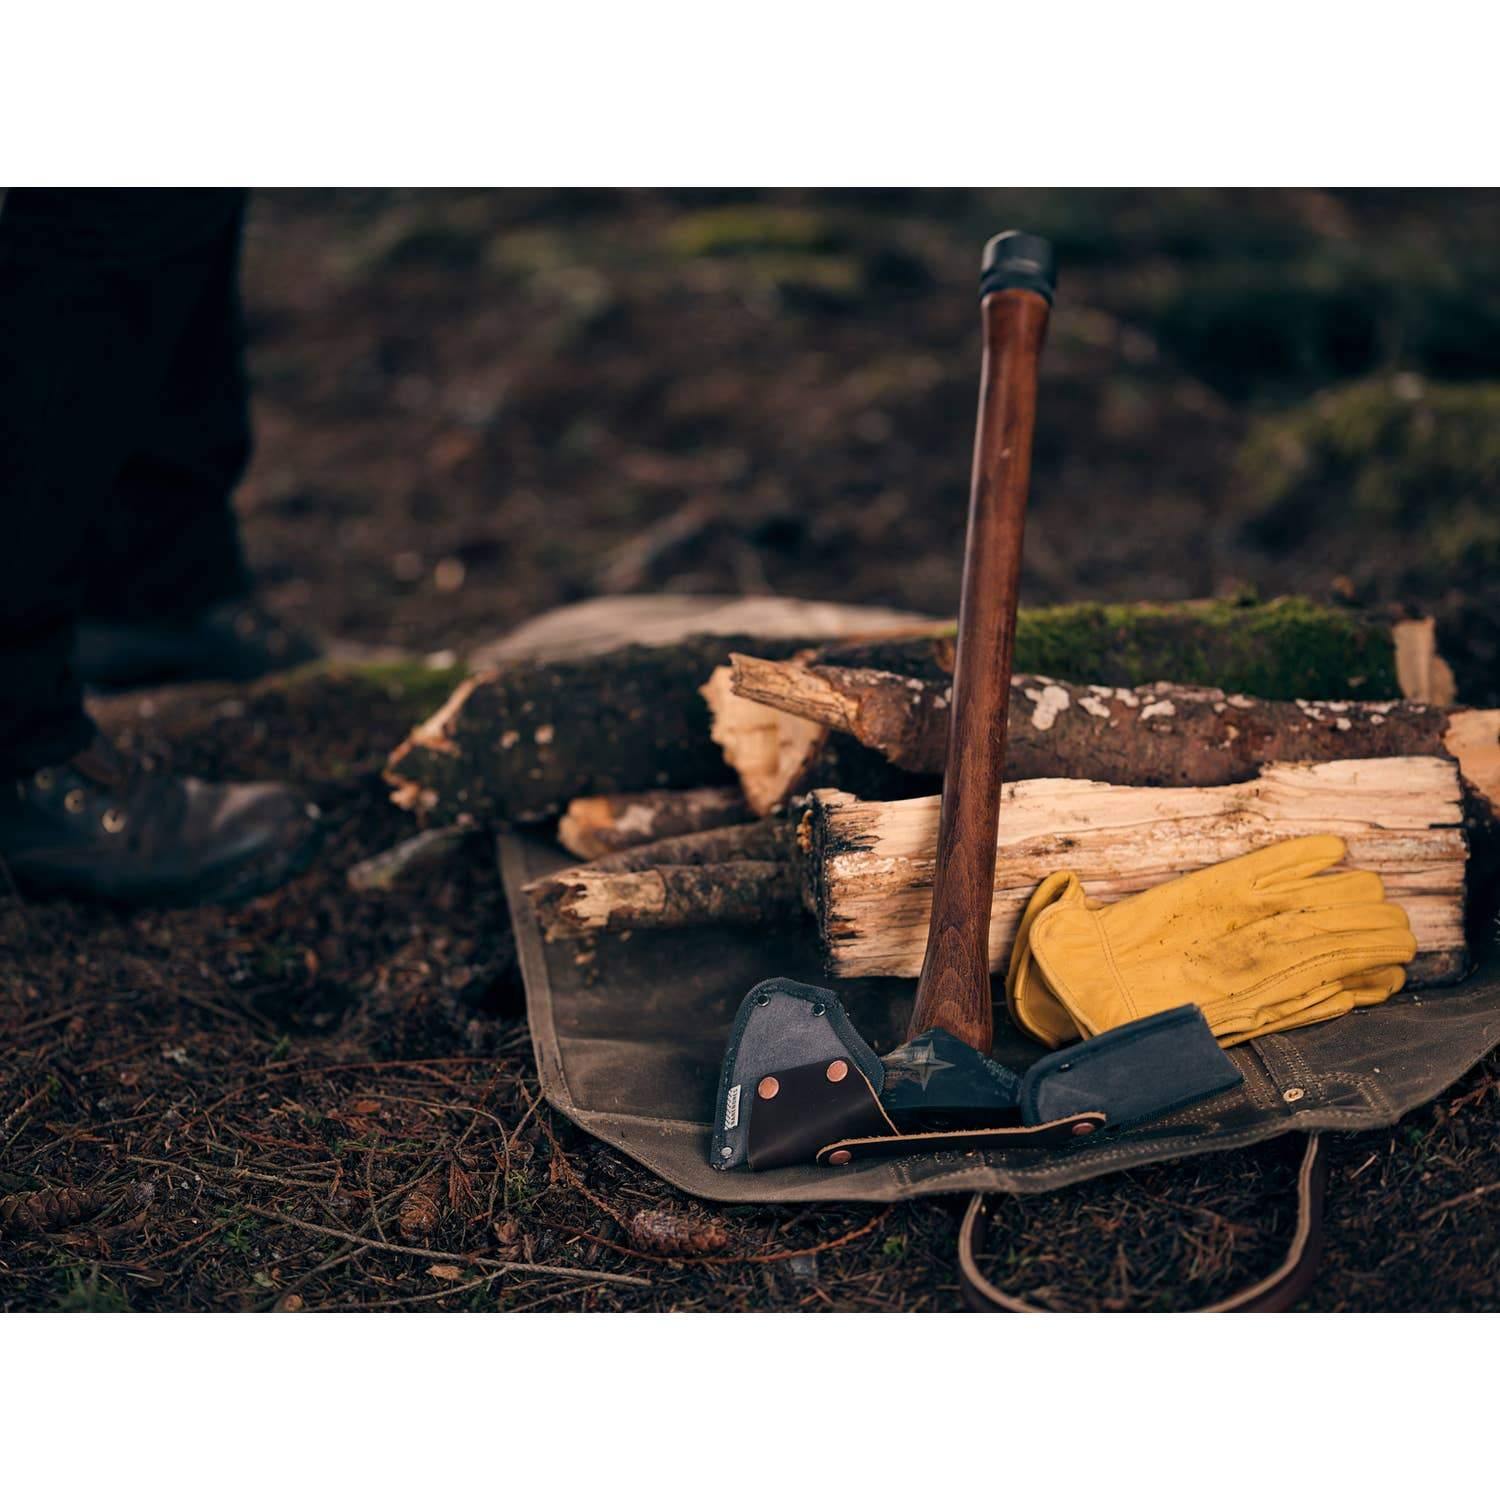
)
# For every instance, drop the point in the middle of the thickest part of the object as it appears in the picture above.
(1016, 259)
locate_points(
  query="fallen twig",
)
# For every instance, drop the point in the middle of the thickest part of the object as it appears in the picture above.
(1469, 1197)
(458, 1259)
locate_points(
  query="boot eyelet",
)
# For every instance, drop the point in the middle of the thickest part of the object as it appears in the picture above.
(43, 780)
(113, 820)
(76, 800)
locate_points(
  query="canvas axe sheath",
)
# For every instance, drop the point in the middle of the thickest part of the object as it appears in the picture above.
(798, 1082)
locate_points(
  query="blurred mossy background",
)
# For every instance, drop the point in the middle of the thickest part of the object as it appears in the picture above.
(478, 404)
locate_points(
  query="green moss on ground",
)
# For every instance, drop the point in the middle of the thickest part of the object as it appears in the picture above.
(807, 259)
(424, 689)
(754, 229)
(1251, 324)
(1284, 648)
(1400, 454)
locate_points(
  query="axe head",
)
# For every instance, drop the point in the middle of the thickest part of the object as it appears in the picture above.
(799, 1084)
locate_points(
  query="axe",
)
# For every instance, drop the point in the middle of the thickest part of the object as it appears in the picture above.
(799, 1083)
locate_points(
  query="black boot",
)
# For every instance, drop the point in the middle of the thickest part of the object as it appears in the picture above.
(103, 827)
(236, 641)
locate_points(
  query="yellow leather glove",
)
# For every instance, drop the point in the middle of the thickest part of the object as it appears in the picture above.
(1261, 943)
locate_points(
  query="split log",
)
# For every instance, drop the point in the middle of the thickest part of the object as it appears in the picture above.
(868, 866)
(742, 876)
(593, 827)
(893, 697)
(516, 743)
(778, 756)
(864, 869)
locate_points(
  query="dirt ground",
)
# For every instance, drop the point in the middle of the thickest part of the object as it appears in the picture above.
(474, 406)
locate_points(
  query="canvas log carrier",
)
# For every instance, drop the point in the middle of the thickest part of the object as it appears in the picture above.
(629, 1045)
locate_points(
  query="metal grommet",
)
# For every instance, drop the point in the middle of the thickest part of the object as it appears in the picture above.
(75, 801)
(1292, 1095)
(43, 780)
(839, 1158)
(838, 1070)
(1083, 1127)
(819, 1009)
(763, 999)
(113, 820)
(768, 1087)
(726, 1151)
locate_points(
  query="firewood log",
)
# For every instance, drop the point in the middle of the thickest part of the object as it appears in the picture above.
(740, 876)
(543, 724)
(593, 827)
(893, 698)
(864, 869)
(867, 866)
(516, 743)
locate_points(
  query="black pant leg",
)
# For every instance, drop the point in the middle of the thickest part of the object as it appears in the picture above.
(95, 288)
(167, 543)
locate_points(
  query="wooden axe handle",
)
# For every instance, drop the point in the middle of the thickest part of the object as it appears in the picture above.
(954, 989)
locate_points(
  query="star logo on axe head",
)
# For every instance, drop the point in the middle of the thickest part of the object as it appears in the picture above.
(916, 1060)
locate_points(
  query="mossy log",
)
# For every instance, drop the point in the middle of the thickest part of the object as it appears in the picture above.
(1282, 648)
(518, 741)
(893, 698)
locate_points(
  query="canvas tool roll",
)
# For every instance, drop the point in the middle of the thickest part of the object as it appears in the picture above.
(1270, 941)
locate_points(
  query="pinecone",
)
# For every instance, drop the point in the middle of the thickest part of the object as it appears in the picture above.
(422, 1208)
(52, 1208)
(660, 1232)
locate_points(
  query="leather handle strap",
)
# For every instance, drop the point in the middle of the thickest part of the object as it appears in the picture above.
(1273, 1293)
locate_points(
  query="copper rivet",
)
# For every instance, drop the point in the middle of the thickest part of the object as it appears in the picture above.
(838, 1070)
(839, 1158)
(1083, 1127)
(768, 1087)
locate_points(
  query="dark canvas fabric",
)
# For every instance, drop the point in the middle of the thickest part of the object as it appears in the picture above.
(629, 1046)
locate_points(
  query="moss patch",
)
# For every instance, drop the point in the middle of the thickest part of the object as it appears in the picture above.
(1252, 324)
(754, 229)
(1402, 455)
(1285, 648)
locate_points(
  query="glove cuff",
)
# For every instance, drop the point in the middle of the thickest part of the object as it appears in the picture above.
(1032, 1005)
(1070, 950)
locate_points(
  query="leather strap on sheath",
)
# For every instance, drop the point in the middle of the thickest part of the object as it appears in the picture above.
(1274, 1293)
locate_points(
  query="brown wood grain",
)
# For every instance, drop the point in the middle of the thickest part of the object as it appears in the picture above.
(954, 988)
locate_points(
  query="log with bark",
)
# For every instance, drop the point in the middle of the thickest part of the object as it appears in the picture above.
(892, 697)
(516, 743)
(740, 876)
(593, 827)
(519, 740)
(778, 756)
(864, 869)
